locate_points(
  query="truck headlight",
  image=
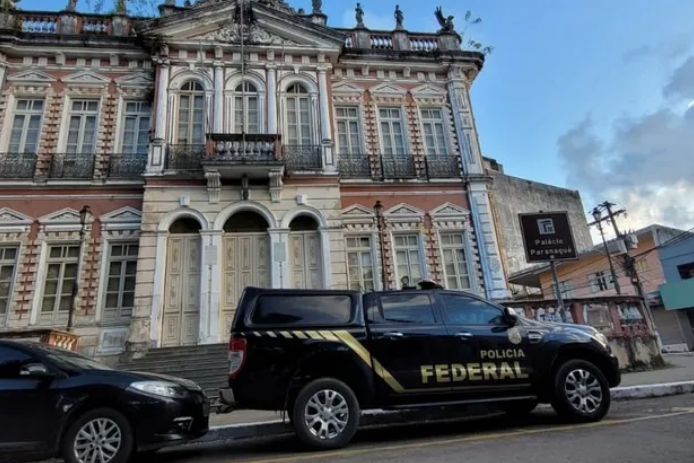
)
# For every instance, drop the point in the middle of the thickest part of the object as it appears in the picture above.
(159, 388)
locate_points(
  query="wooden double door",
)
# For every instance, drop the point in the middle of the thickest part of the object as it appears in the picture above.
(181, 317)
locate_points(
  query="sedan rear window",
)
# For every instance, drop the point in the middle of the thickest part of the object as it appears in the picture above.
(302, 310)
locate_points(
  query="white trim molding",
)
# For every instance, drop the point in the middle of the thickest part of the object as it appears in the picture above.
(13, 221)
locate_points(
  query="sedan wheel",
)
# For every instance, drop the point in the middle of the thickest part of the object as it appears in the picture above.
(99, 436)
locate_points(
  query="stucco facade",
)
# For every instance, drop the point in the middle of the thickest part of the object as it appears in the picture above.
(210, 164)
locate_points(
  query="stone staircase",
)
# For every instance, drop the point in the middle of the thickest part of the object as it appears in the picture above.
(206, 365)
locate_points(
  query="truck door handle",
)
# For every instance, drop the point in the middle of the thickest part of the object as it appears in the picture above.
(463, 335)
(534, 337)
(394, 335)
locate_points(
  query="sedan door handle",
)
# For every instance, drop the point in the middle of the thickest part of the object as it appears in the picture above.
(394, 335)
(464, 335)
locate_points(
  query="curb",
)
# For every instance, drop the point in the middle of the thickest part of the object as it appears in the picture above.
(376, 418)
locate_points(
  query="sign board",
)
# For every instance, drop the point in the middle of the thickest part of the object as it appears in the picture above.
(547, 237)
(280, 252)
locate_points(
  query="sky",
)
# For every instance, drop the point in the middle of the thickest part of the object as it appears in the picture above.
(584, 94)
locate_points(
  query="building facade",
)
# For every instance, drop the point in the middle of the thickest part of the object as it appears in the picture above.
(226, 144)
(512, 196)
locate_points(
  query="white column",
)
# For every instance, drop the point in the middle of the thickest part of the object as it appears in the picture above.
(3, 68)
(209, 285)
(464, 122)
(324, 103)
(162, 98)
(329, 164)
(158, 287)
(278, 257)
(271, 99)
(327, 262)
(487, 243)
(156, 158)
(218, 97)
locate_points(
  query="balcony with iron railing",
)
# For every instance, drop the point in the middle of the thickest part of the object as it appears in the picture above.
(237, 155)
(124, 166)
(17, 165)
(72, 166)
(398, 167)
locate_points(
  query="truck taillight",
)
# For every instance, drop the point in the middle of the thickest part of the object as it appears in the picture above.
(237, 355)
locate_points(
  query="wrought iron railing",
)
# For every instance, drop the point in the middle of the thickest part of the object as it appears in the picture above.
(355, 166)
(127, 165)
(442, 166)
(72, 166)
(17, 165)
(398, 166)
(185, 157)
(302, 157)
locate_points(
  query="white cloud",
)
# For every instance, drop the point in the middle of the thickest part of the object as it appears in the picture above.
(646, 165)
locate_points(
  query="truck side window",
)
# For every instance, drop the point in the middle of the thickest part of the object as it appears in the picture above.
(313, 310)
(412, 308)
(463, 310)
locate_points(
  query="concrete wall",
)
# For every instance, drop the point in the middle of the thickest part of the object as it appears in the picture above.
(514, 195)
(636, 352)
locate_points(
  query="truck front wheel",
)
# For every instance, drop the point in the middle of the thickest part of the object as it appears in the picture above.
(581, 392)
(326, 414)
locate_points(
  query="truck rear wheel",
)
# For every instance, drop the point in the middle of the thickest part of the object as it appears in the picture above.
(581, 392)
(326, 414)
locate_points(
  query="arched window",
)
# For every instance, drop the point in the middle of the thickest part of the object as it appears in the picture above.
(191, 114)
(246, 109)
(298, 116)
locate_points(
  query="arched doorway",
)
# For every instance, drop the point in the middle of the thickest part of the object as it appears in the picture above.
(181, 319)
(246, 261)
(305, 257)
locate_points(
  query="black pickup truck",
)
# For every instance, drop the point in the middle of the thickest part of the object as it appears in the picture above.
(323, 356)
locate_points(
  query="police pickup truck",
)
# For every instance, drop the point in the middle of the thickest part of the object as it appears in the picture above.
(323, 356)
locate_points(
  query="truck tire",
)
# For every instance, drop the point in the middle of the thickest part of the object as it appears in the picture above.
(102, 435)
(519, 408)
(581, 392)
(326, 414)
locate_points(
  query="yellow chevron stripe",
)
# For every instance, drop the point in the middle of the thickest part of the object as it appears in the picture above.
(286, 334)
(329, 336)
(364, 354)
(300, 335)
(314, 335)
(271, 334)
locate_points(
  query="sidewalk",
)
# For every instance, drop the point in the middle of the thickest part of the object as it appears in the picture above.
(682, 370)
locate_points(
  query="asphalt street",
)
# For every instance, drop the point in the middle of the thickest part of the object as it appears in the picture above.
(640, 431)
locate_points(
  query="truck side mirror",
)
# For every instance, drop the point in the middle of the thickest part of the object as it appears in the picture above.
(510, 317)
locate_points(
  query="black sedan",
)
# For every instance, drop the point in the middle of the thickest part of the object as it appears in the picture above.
(55, 402)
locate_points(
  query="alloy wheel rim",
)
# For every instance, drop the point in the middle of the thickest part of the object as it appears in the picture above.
(326, 414)
(583, 391)
(98, 441)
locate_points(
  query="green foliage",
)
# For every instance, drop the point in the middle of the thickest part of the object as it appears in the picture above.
(472, 44)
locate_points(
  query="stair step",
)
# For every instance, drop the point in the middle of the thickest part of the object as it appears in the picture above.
(202, 364)
(193, 350)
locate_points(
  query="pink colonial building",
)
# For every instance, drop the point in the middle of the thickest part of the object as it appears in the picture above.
(223, 144)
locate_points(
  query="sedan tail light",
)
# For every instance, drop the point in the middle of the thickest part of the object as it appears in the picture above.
(237, 355)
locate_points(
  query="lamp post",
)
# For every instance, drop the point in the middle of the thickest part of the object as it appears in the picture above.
(84, 216)
(597, 215)
(378, 211)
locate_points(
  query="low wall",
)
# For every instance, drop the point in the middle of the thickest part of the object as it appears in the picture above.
(636, 352)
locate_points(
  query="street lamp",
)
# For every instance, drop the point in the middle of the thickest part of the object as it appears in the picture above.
(84, 217)
(597, 215)
(378, 211)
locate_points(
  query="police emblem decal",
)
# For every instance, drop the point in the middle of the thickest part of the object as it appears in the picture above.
(514, 335)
